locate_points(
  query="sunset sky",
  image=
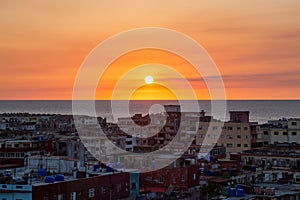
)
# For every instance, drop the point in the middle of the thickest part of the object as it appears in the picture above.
(255, 44)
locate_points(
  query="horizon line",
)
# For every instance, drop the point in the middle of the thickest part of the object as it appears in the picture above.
(149, 100)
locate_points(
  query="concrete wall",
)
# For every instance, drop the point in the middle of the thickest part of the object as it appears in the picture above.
(13, 192)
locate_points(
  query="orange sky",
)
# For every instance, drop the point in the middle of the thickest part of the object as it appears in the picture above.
(255, 44)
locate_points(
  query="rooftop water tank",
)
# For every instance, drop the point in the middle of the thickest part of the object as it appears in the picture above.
(96, 167)
(59, 177)
(49, 179)
(41, 172)
(239, 187)
(240, 192)
(232, 192)
(109, 167)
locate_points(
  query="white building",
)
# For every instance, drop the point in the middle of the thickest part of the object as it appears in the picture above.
(281, 131)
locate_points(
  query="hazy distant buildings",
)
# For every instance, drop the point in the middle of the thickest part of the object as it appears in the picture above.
(281, 131)
(286, 156)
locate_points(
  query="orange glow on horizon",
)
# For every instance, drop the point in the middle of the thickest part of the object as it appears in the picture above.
(153, 92)
(127, 62)
(255, 45)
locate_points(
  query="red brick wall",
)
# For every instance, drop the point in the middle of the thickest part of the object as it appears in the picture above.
(184, 178)
(82, 186)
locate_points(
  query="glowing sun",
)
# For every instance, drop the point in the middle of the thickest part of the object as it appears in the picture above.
(148, 79)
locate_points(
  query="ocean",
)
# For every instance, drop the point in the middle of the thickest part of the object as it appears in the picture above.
(260, 110)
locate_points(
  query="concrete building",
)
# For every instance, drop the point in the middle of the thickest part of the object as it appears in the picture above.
(23, 148)
(70, 146)
(168, 180)
(294, 130)
(276, 157)
(102, 186)
(157, 130)
(273, 191)
(13, 192)
(58, 164)
(235, 134)
(281, 131)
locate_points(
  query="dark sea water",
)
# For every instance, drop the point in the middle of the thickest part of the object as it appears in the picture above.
(260, 110)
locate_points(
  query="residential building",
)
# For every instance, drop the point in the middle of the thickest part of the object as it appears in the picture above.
(235, 134)
(277, 156)
(101, 186)
(173, 179)
(281, 131)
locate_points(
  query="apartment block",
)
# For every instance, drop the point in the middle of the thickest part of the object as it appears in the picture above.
(281, 131)
(235, 134)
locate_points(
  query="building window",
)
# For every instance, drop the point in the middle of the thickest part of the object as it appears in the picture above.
(229, 128)
(245, 128)
(19, 186)
(266, 143)
(275, 133)
(294, 123)
(91, 192)
(294, 133)
(103, 189)
(119, 188)
(245, 145)
(112, 188)
(266, 133)
(238, 145)
(72, 195)
(238, 136)
(285, 133)
(133, 185)
(148, 178)
(182, 178)
(229, 145)
(161, 179)
(238, 128)
(228, 136)
(4, 186)
(61, 197)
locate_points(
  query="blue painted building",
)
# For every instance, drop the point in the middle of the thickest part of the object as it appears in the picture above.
(15, 192)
